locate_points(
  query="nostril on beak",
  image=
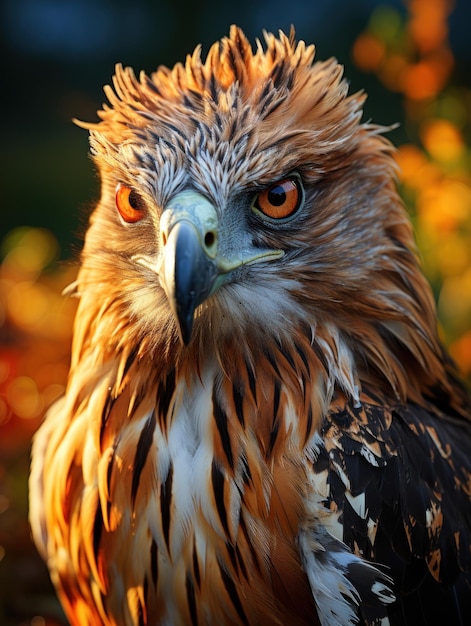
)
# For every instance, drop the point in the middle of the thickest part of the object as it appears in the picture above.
(210, 240)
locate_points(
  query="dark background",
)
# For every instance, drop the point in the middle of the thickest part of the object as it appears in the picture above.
(55, 56)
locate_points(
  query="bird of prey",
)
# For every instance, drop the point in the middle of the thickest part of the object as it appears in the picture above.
(260, 425)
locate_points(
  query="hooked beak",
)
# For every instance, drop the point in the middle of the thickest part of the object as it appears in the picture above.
(188, 230)
(190, 267)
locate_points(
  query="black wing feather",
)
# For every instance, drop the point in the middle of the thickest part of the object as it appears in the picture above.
(414, 469)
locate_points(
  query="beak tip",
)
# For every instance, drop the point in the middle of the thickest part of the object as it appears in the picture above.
(184, 316)
(185, 334)
(188, 276)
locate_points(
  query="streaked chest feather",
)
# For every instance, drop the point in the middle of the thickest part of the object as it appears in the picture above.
(213, 479)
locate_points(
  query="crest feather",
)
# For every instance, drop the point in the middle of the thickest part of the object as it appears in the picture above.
(233, 75)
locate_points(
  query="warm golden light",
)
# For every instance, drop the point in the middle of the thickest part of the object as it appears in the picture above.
(24, 398)
(368, 52)
(416, 60)
(443, 140)
(33, 369)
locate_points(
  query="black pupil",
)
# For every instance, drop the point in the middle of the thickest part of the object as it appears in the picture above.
(277, 195)
(134, 200)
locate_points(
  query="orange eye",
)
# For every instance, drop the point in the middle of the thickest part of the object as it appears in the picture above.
(281, 200)
(129, 204)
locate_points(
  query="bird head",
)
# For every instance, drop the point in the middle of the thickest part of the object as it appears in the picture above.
(243, 198)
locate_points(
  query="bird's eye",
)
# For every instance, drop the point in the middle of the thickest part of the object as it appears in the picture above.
(129, 204)
(281, 200)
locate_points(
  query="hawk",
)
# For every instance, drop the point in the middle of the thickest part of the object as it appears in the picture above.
(260, 424)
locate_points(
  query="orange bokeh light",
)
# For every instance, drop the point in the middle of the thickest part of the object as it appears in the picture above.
(415, 170)
(460, 350)
(442, 140)
(393, 71)
(368, 52)
(428, 23)
(422, 81)
(445, 205)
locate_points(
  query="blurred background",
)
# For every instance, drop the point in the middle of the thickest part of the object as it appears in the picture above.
(414, 60)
